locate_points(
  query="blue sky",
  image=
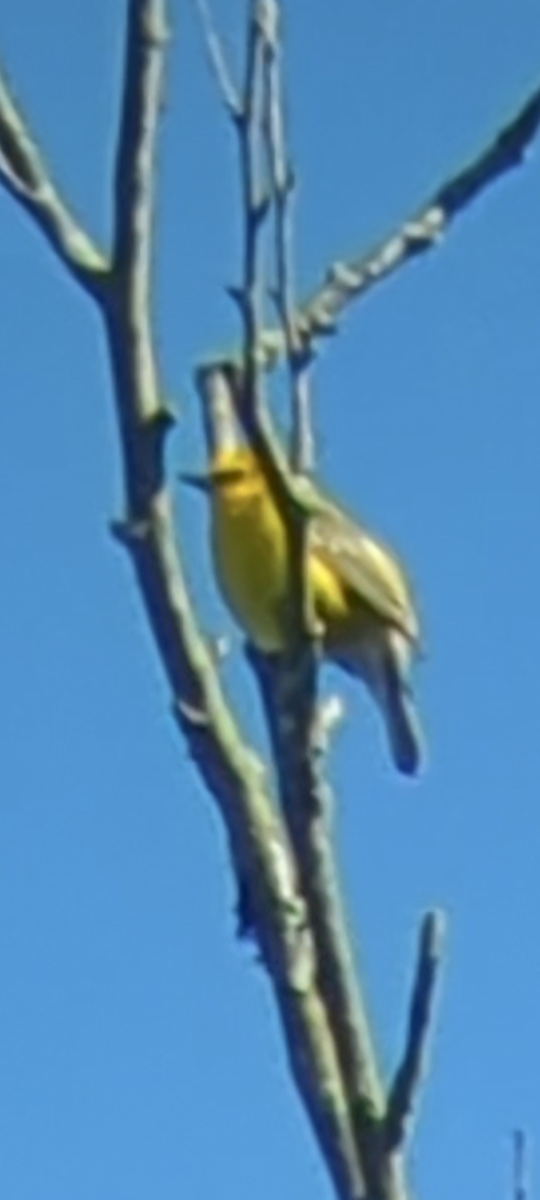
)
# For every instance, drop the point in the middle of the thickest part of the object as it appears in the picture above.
(139, 1050)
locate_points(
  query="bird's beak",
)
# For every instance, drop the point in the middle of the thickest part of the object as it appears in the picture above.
(202, 482)
(207, 481)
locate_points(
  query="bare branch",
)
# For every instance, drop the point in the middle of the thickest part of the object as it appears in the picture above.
(348, 280)
(295, 729)
(259, 844)
(254, 209)
(233, 774)
(147, 36)
(217, 60)
(404, 1093)
(282, 183)
(520, 1186)
(290, 872)
(289, 719)
(143, 417)
(308, 804)
(247, 385)
(289, 693)
(25, 177)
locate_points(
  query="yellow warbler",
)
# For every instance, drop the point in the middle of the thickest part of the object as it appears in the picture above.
(360, 594)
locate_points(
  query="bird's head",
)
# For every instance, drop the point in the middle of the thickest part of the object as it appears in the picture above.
(234, 473)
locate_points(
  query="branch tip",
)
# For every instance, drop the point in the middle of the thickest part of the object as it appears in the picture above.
(419, 233)
(127, 532)
(164, 420)
(404, 1094)
(237, 294)
(190, 714)
(25, 175)
(267, 21)
(218, 62)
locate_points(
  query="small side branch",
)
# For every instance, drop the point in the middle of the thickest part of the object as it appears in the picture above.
(347, 280)
(281, 176)
(255, 208)
(24, 175)
(405, 1091)
(218, 62)
(248, 384)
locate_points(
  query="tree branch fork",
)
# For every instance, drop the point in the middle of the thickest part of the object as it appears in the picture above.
(286, 861)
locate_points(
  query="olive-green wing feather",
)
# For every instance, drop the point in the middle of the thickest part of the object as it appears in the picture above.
(366, 565)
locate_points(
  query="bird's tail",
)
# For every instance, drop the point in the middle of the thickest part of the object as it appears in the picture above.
(402, 721)
(384, 666)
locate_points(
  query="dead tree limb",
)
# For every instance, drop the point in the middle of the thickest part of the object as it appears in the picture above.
(121, 287)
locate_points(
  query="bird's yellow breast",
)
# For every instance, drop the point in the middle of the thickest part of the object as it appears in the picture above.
(251, 556)
(250, 552)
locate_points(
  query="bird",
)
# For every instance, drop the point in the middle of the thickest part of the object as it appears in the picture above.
(361, 597)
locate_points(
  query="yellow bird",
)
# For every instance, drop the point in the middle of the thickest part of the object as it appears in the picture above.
(361, 598)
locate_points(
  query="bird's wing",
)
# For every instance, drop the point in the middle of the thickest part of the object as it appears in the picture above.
(366, 566)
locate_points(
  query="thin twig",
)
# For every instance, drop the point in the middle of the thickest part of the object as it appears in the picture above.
(254, 206)
(405, 1090)
(282, 183)
(301, 618)
(246, 380)
(347, 280)
(248, 383)
(218, 62)
(25, 177)
(520, 1187)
